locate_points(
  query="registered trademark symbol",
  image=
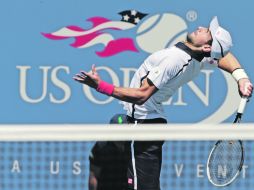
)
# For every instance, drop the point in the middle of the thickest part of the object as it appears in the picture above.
(191, 15)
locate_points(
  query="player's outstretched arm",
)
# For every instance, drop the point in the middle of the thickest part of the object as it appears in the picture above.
(91, 78)
(132, 95)
(230, 64)
(135, 95)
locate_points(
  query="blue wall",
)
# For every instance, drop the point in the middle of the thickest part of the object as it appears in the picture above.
(26, 53)
(37, 86)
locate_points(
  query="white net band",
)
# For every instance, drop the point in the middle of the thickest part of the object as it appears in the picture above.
(78, 132)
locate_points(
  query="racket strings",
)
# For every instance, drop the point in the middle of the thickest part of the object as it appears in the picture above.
(225, 161)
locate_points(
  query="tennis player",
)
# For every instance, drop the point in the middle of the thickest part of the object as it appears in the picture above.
(156, 80)
(108, 162)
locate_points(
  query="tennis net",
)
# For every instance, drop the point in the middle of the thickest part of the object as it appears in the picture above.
(39, 157)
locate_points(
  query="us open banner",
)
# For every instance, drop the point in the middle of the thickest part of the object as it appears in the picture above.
(44, 43)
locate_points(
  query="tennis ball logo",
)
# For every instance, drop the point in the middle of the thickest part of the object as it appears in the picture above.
(161, 31)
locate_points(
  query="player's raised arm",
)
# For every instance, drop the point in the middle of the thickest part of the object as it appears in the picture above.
(230, 64)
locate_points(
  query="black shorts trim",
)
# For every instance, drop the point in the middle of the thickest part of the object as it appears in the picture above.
(146, 121)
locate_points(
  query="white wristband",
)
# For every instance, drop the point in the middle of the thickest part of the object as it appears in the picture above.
(239, 74)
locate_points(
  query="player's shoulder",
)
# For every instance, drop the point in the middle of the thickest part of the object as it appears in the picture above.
(164, 52)
(171, 55)
(175, 57)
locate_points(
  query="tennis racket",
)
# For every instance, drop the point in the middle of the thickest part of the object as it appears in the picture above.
(226, 158)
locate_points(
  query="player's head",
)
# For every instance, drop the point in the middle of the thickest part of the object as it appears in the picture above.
(118, 119)
(215, 40)
(201, 38)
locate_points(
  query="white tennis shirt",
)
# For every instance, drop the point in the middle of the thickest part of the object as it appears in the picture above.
(167, 69)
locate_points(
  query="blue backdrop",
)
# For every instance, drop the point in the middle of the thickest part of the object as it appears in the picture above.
(36, 69)
(45, 43)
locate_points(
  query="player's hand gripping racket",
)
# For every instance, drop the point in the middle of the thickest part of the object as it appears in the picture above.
(226, 158)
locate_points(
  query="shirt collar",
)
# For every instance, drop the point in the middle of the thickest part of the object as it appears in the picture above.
(193, 54)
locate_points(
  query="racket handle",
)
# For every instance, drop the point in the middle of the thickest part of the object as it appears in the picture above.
(244, 100)
(242, 105)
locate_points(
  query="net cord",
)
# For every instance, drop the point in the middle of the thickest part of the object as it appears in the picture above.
(92, 132)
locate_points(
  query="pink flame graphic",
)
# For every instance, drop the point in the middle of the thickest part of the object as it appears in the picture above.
(95, 35)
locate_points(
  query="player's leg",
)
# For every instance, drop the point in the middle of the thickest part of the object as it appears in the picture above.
(147, 157)
(145, 162)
